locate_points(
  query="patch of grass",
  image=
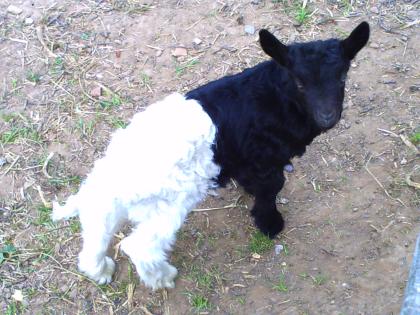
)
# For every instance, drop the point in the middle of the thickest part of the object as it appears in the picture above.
(31, 292)
(285, 249)
(7, 252)
(15, 133)
(44, 216)
(281, 285)
(85, 36)
(117, 123)
(316, 186)
(86, 128)
(114, 102)
(14, 83)
(131, 7)
(199, 302)
(415, 138)
(201, 278)
(13, 309)
(302, 15)
(57, 66)
(46, 247)
(199, 240)
(75, 226)
(204, 279)
(319, 280)
(8, 117)
(260, 243)
(180, 69)
(33, 77)
(65, 181)
(346, 7)
(241, 300)
(145, 79)
(303, 275)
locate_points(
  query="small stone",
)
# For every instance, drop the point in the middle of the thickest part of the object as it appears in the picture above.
(249, 29)
(414, 88)
(28, 21)
(240, 20)
(348, 104)
(256, 256)
(283, 264)
(197, 41)
(374, 45)
(3, 161)
(403, 161)
(14, 9)
(179, 52)
(96, 92)
(282, 201)
(374, 10)
(289, 168)
(389, 82)
(413, 14)
(18, 296)
(278, 249)
(159, 53)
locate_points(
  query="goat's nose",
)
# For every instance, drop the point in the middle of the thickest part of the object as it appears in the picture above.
(326, 119)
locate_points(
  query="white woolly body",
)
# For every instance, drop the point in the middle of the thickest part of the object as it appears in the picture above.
(153, 173)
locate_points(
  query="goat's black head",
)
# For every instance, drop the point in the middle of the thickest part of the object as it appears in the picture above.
(319, 70)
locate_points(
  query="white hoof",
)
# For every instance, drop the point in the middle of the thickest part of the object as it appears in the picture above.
(168, 278)
(107, 271)
(161, 276)
(101, 273)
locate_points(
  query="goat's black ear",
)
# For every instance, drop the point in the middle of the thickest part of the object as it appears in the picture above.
(273, 47)
(356, 40)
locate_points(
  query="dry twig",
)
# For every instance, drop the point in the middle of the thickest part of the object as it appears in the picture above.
(39, 34)
(380, 184)
(409, 181)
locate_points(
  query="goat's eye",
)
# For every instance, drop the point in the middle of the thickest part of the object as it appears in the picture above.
(299, 84)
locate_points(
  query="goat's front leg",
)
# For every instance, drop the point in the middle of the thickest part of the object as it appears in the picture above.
(267, 218)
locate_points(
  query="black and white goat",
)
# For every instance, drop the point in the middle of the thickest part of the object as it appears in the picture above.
(246, 126)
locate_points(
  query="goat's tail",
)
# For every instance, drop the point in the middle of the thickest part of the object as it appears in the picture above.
(69, 210)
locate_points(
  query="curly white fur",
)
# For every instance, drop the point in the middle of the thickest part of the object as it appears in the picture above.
(153, 173)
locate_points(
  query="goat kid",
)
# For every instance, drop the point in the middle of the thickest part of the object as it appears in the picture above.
(246, 126)
(268, 114)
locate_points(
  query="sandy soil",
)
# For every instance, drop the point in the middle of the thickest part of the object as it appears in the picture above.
(352, 217)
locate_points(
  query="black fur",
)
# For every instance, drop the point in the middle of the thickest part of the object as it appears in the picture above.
(268, 114)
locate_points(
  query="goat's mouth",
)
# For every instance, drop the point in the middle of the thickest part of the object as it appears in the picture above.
(326, 121)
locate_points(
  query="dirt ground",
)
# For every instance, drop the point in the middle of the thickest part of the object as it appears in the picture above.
(71, 72)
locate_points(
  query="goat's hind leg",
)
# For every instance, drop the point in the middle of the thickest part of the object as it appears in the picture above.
(147, 247)
(97, 231)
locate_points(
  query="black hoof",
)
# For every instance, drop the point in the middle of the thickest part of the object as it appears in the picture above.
(270, 224)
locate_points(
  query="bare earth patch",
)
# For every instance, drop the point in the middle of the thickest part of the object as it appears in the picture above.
(71, 72)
